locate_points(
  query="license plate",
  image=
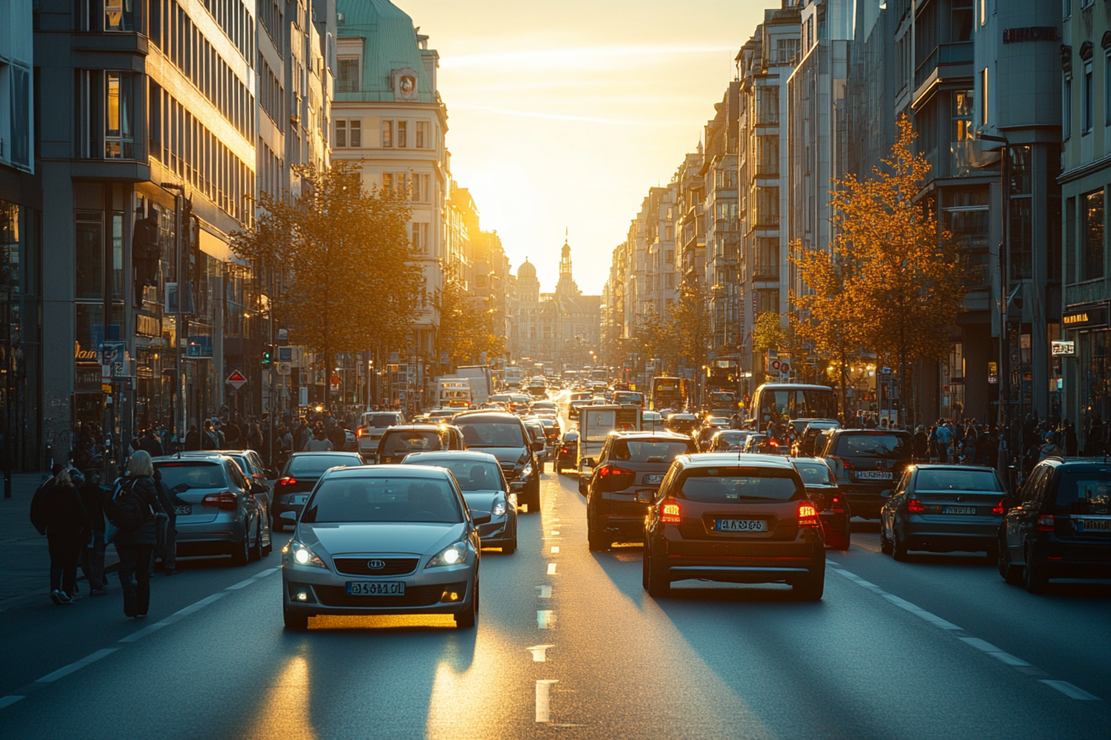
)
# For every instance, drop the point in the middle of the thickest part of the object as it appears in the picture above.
(875, 475)
(958, 509)
(301, 500)
(185, 510)
(742, 525)
(374, 588)
(1093, 525)
(653, 479)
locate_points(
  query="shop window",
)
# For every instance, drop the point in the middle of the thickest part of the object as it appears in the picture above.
(1093, 235)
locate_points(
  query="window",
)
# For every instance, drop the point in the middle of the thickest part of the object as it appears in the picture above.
(1093, 235)
(1107, 87)
(767, 258)
(767, 206)
(402, 134)
(1020, 229)
(387, 181)
(1066, 107)
(119, 116)
(420, 238)
(984, 97)
(767, 105)
(348, 79)
(121, 15)
(1086, 101)
(387, 134)
(356, 128)
(422, 135)
(340, 140)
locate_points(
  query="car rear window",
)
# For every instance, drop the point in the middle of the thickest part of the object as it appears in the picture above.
(384, 500)
(649, 451)
(472, 475)
(735, 485)
(192, 474)
(395, 442)
(381, 420)
(815, 474)
(491, 433)
(873, 445)
(1085, 492)
(957, 480)
(317, 464)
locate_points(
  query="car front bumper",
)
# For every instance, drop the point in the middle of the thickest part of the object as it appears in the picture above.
(426, 592)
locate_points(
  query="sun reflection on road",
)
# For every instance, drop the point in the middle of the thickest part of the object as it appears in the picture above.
(285, 712)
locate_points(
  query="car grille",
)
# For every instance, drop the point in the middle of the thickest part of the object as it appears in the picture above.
(414, 596)
(359, 567)
(508, 471)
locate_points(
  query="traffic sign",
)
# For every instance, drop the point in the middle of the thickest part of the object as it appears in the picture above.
(236, 380)
(284, 368)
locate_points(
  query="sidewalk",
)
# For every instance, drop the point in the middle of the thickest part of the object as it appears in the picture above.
(23, 551)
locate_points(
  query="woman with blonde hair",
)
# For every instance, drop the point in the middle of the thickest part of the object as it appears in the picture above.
(136, 545)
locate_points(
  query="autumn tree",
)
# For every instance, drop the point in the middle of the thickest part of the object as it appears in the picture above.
(466, 326)
(354, 282)
(690, 324)
(655, 338)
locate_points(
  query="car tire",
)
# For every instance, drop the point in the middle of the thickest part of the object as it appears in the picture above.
(594, 540)
(254, 553)
(1033, 574)
(659, 585)
(1009, 572)
(533, 501)
(467, 620)
(885, 544)
(898, 547)
(241, 552)
(295, 621)
(810, 588)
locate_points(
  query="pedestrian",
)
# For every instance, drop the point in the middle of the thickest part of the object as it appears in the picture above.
(57, 512)
(150, 443)
(210, 440)
(944, 438)
(135, 546)
(1049, 448)
(302, 434)
(254, 438)
(921, 444)
(231, 435)
(92, 554)
(338, 437)
(319, 441)
(1070, 439)
(192, 439)
(165, 547)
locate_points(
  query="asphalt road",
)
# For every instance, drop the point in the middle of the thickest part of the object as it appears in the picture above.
(569, 645)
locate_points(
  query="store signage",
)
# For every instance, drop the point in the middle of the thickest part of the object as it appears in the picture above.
(147, 326)
(1031, 33)
(1085, 317)
(83, 355)
(1063, 348)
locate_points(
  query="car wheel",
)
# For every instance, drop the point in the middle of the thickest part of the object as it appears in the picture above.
(898, 547)
(1009, 572)
(466, 620)
(659, 586)
(534, 495)
(594, 539)
(255, 552)
(811, 588)
(295, 621)
(1033, 574)
(241, 554)
(885, 544)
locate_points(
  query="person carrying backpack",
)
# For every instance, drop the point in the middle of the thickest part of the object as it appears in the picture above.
(57, 512)
(133, 510)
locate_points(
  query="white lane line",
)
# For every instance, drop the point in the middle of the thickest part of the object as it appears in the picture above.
(179, 614)
(866, 546)
(7, 701)
(65, 671)
(545, 619)
(539, 652)
(551, 569)
(268, 571)
(1073, 692)
(983, 646)
(543, 707)
(241, 584)
(545, 592)
(555, 549)
(555, 532)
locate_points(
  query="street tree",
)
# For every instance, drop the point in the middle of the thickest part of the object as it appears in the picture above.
(690, 322)
(352, 282)
(466, 326)
(656, 339)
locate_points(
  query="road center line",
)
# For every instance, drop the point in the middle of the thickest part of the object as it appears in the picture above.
(543, 706)
(551, 569)
(1073, 692)
(545, 619)
(555, 549)
(72, 667)
(7, 701)
(539, 652)
(241, 584)
(545, 592)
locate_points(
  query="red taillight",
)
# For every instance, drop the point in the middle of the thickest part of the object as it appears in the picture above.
(613, 478)
(670, 513)
(808, 515)
(914, 506)
(362, 432)
(998, 508)
(287, 481)
(1046, 522)
(226, 500)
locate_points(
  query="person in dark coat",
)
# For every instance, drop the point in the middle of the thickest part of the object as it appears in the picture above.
(338, 437)
(166, 528)
(254, 438)
(232, 436)
(135, 548)
(150, 443)
(192, 439)
(210, 440)
(92, 554)
(57, 512)
(921, 444)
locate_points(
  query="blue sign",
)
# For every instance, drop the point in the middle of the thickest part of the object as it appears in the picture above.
(199, 346)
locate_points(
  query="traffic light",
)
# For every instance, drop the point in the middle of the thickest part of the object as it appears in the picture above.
(267, 355)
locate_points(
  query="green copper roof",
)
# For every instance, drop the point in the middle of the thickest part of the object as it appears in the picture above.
(389, 43)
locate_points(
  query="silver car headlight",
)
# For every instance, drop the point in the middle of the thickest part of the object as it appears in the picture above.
(301, 554)
(499, 508)
(526, 471)
(454, 554)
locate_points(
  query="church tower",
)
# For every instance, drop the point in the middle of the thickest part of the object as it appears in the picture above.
(566, 285)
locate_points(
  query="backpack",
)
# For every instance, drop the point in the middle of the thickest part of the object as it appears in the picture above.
(125, 508)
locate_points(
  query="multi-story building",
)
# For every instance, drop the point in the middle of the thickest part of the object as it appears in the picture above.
(720, 280)
(690, 227)
(1085, 183)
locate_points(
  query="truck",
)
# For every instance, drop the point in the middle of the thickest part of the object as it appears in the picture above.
(482, 382)
(454, 393)
(595, 423)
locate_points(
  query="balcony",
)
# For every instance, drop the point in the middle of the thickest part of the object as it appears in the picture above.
(947, 60)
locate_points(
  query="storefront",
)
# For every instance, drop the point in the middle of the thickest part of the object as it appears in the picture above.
(1088, 370)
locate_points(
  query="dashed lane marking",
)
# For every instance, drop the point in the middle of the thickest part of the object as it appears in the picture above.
(539, 652)
(7, 701)
(555, 549)
(179, 614)
(1073, 692)
(543, 705)
(545, 592)
(545, 619)
(73, 667)
(551, 569)
(555, 532)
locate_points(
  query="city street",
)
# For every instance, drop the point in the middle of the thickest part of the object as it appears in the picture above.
(569, 644)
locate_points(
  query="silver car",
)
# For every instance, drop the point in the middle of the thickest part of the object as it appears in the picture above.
(372, 425)
(485, 489)
(388, 539)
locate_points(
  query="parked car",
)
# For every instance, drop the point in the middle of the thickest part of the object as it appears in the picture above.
(372, 425)
(386, 539)
(833, 510)
(866, 462)
(718, 518)
(725, 440)
(567, 454)
(484, 488)
(400, 441)
(217, 513)
(301, 472)
(625, 478)
(943, 508)
(1058, 525)
(505, 437)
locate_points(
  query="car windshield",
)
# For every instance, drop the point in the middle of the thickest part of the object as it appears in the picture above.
(735, 485)
(374, 499)
(472, 475)
(957, 480)
(650, 451)
(381, 420)
(492, 434)
(395, 442)
(1085, 492)
(815, 474)
(873, 445)
(681, 425)
(317, 464)
(192, 474)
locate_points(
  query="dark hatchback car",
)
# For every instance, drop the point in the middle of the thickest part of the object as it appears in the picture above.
(1058, 525)
(737, 519)
(833, 510)
(567, 453)
(805, 432)
(505, 437)
(399, 441)
(625, 479)
(301, 472)
(866, 462)
(943, 508)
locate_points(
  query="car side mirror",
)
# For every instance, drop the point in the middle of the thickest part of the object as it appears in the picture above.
(288, 516)
(480, 519)
(517, 486)
(538, 445)
(645, 497)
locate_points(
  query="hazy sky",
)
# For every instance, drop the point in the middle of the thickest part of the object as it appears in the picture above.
(563, 114)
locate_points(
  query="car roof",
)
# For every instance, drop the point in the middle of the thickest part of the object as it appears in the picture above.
(193, 455)
(382, 471)
(324, 453)
(417, 428)
(714, 459)
(487, 415)
(945, 466)
(649, 434)
(475, 455)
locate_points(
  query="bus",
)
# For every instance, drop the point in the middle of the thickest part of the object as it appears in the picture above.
(669, 392)
(785, 401)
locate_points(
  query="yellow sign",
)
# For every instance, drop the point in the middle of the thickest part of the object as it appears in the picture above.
(106, 387)
(1076, 318)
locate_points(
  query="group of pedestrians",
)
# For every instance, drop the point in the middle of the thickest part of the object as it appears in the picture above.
(958, 441)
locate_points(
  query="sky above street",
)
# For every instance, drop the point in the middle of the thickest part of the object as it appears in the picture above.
(563, 114)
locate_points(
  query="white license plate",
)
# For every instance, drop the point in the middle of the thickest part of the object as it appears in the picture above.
(742, 525)
(1093, 525)
(958, 509)
(184, 510)
(374, 588)
(653, 479)
(301, 499)
(875, 475)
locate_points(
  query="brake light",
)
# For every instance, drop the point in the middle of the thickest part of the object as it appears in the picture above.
(1046, 522)
(808, 515)
(914, 506)
(287, 481)
(362, 432)
(998, 508)
(227, 500)
(670, 513)
(613, 478)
